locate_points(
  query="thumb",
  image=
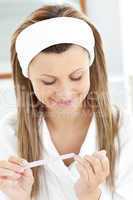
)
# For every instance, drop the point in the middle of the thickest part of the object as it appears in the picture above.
(27, 172)
(100, 154)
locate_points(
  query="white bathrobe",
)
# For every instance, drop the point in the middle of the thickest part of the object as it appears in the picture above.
(58, 179)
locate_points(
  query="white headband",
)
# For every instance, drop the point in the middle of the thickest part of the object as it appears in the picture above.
(46, 33)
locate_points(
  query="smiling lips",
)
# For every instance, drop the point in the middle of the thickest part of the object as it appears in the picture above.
(65, 103)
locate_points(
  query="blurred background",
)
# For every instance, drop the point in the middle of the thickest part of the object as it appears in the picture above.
(112, 19)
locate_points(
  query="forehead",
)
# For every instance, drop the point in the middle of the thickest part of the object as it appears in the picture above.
(66, 62)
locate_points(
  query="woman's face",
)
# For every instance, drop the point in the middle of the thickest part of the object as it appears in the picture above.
(61, 81)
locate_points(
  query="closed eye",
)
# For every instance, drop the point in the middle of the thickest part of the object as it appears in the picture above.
(51, 83)
(76, 79)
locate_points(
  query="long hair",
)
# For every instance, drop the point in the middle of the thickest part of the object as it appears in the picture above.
(29, 108)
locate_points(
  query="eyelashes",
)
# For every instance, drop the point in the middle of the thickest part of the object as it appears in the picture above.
(51, 83)
(48, 83)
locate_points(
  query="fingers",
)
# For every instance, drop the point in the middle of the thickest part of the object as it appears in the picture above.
(27, 174)
(81, 170)
(11, 171)
(101, 155)
(94, 163)
(8, 174)
(16, 160)
(14, 167)
(22, 162)
(13, 174)
(85, 166)
(5, 184)
(97, 164)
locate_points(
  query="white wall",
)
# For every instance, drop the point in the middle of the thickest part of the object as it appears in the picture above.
(12, 13)
(126, 13)
(106, 17)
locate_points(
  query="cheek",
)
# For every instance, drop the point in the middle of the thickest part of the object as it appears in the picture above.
(38, 90)
(42, 93)
(84, 87)
(84, 90)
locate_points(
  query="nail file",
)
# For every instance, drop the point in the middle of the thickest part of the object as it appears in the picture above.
(43, 162)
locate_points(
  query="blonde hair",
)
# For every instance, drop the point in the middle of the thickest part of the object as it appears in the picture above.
(29, 108)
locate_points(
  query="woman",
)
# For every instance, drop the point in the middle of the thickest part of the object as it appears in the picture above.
(63, 107)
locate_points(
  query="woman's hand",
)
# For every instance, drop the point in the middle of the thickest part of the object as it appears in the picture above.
(16, 182)
(93, 171)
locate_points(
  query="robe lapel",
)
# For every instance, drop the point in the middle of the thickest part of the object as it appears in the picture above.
(88, 147)
(67, 176)
(57, 167)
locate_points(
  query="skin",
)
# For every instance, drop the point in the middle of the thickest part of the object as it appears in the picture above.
(15, 182)
(93, 171)
(62, 68)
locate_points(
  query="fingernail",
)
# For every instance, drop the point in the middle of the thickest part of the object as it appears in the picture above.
(77, 157)
(103, 152)
(23, 162)
(21, 170)
(18, 175)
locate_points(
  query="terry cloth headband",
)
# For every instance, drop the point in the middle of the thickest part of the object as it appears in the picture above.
(43, 34)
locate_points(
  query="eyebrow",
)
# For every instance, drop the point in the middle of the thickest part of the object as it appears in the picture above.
(56, 77)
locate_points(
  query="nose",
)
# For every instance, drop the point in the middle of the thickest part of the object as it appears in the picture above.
(64, 92)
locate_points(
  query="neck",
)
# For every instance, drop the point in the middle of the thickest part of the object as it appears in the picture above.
(60, 120)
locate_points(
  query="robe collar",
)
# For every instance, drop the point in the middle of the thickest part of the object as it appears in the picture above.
(88, 146)
(67, 175)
